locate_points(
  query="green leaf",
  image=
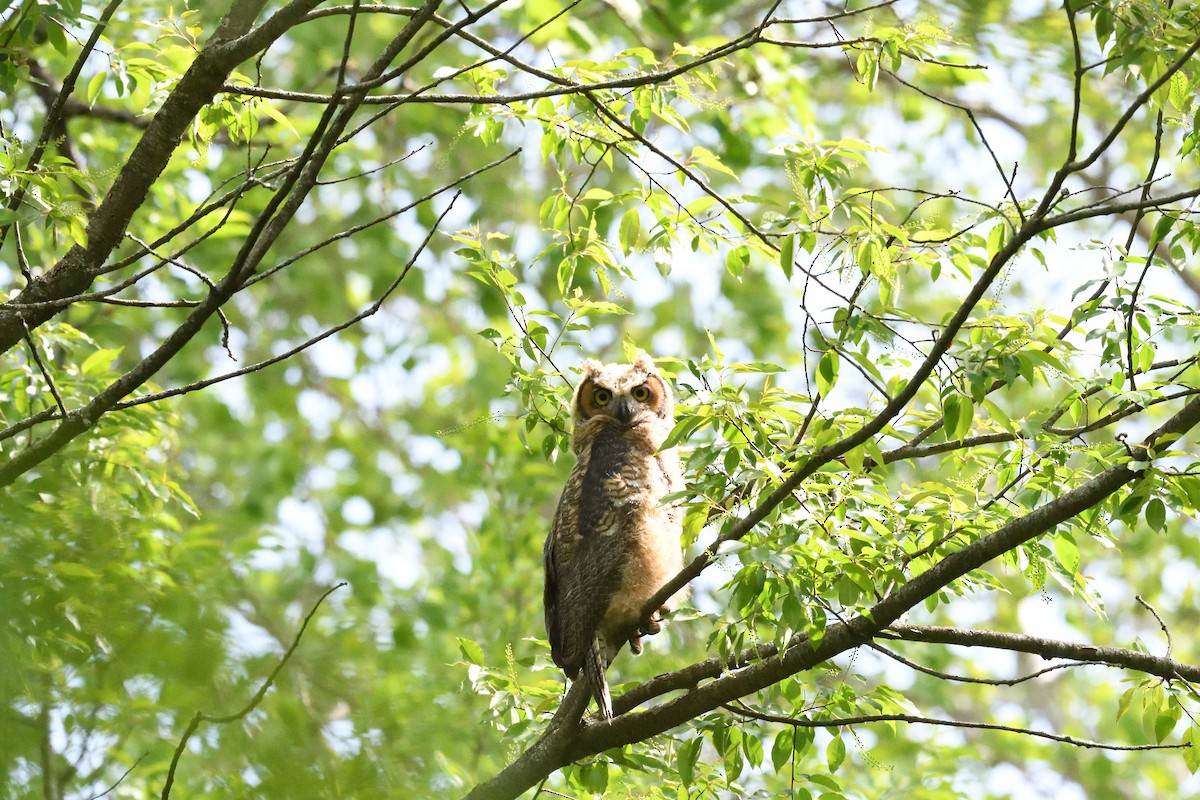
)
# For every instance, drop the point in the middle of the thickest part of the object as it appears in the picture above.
(866, 256)
(781, 750)
(787, 255)
(686, 757)
(594, 776)
(1123, 704)
(952, 412)
(1161, 228)
(74, 570)
(1179, 92)
(630, 232)
(77, 231)
(827, 372)
(734, 763)
(683, 429)
(584, 308)
(596, 193)
(753, 749)
(58, 39)
(1167, 719)
(95, 85)
(996, 239)
(1156, 514)
(1191, 749)
(736, 261)
(1151, 709)
(470, 651)
(1067, 552)
(1130, 507)
(966, 417)
(868, 68)
(1104, 25)
(835, 753)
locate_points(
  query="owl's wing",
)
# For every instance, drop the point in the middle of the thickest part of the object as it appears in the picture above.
(553, 570)
(585, 551)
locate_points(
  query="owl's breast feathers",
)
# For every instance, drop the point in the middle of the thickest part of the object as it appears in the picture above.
(612, 544)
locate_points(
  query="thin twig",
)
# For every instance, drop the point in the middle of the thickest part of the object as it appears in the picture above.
(200, 716)
(37, 359)
(803, 722)
(947, 676)
(1166, 631)
(325, 334)
(124, 775)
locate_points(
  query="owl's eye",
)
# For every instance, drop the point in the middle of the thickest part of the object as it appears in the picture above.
(601, 397)
(641, 393)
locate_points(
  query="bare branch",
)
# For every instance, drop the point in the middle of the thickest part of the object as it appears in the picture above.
(947, 676)
(845, 722)
(1166, 631)
(119, 780)
(37, 359)
(285, 355)
(200, 716)
(1159, 666)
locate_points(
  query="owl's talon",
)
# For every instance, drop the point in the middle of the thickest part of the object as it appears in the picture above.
(635, 645)
(653, 625)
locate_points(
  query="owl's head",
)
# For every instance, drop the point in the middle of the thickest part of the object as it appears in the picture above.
(631, 394)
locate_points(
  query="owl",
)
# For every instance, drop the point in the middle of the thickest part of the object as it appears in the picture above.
(613, 543)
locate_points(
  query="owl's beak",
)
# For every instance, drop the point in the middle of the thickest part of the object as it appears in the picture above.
(622, 410)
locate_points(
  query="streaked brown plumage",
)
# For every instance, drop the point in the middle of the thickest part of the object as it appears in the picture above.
(613, 544)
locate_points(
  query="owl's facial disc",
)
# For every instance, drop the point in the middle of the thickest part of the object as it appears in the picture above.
(593, 400)
(628, 395)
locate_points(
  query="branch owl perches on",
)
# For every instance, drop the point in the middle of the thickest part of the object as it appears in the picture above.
(613, 544)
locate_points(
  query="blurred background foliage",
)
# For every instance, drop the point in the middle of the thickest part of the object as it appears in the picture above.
(163, 563)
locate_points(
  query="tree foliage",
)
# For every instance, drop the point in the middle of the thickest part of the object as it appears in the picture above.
(294, 293)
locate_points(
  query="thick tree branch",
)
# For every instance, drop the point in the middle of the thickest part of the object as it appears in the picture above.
(756, 675)
(52, 124)
(270, 224)
(825, 455)
(1159, 666)
(231, 44)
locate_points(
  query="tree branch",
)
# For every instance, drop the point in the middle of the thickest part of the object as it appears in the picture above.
(272, 221)
(230, 44)
(1159, 666)
(755, 675)
(845, 722)
(200, 716)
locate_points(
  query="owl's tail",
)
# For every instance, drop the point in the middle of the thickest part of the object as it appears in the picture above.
(594, 663)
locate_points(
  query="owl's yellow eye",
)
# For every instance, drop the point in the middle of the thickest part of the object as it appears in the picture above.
(601, 397)
(641, 393)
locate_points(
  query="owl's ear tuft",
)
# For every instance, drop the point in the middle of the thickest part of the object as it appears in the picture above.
(644, 362)
(588, 368)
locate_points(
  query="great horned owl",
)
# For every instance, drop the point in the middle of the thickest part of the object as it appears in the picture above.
(613, 544)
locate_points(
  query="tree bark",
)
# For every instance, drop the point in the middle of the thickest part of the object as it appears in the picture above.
(230, 45)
